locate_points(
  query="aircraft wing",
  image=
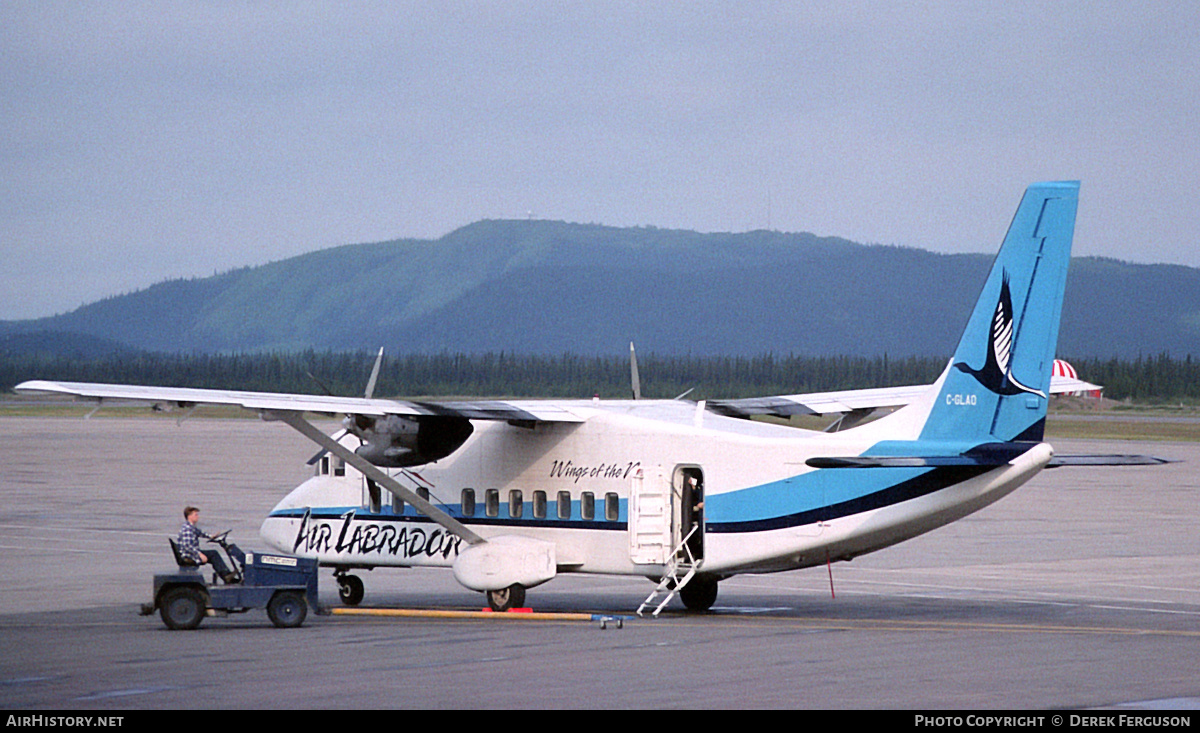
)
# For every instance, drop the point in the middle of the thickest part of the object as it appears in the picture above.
(267, 402)
(818, 403)
(848, 401)
(385, 426)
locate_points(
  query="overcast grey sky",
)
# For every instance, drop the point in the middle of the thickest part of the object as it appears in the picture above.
(150, 140)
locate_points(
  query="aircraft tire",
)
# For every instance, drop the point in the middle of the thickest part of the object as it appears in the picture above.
(350, 589)
(182, 608)
(699, 594)
(287, 609)
(506, 598)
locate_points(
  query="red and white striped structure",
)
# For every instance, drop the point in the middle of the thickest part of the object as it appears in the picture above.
(1063, 369)
(1064, 374)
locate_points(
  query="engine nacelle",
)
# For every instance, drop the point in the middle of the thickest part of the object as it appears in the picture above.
(396, 442)
(505, 560)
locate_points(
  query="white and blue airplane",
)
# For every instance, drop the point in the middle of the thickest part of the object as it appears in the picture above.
(509, 494)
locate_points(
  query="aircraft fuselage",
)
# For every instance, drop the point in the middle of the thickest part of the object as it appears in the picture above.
(612, 495)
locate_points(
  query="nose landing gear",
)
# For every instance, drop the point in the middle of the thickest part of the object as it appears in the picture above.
(350, 587)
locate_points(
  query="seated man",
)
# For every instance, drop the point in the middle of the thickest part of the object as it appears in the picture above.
(189, 546)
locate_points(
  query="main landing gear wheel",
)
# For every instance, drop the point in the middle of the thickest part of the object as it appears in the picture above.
(287, 609)
(182, 608)
(511, 597)
(350, 589)
(699, 594)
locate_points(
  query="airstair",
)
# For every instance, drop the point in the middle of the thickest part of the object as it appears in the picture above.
(681, 568)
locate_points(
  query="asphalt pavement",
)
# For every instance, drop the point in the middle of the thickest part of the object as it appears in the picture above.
(1081, 590)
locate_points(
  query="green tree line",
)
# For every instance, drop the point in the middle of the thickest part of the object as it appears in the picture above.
(1145, 379)
(1149, 379)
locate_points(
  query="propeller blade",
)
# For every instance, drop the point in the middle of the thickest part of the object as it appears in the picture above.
(634, 379)
(374, 375)
(321, 384)
(337, 437)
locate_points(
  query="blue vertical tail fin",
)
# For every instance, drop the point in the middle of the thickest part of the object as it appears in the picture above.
(997, 385)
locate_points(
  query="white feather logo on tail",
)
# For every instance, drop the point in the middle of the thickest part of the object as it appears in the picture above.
(996, 373)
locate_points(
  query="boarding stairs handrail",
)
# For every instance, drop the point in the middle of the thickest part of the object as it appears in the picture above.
(681, 561)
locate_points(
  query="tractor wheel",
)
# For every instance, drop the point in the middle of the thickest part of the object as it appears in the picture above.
(182, 608)
(287, 609)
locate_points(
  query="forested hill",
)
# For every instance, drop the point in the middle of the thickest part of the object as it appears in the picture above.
(542, 287)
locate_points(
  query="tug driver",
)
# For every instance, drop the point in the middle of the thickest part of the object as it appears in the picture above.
(189, 546)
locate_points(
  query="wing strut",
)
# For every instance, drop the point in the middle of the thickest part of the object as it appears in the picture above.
(308, 430)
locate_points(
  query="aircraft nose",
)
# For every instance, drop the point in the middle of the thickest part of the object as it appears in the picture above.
(278, 532)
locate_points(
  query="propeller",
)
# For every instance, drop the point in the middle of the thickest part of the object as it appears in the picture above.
(369, 393)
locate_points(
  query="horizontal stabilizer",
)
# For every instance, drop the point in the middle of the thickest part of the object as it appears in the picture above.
(992, 454)
(986, 454)
(1107, 460)
(900, 462)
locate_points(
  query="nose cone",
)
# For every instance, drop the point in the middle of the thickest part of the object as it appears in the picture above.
(286, 521)
(280, 532)
(285, 527)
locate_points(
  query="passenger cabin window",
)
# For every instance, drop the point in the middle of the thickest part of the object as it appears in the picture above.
(397, 505)
(539, 504)
(491, 502)
(564, 505)
(423, 493)
(339, 467)
(612, 507)
(516, 504)
(587, 505)
(468, 502)
(323, 466)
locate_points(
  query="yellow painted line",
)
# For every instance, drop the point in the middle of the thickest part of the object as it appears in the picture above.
(490, 615)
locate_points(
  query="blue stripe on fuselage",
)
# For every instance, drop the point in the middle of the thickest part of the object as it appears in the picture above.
(361, 514)
(814, 496)
(824, 495)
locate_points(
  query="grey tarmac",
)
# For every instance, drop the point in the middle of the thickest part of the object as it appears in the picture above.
(1080, 590)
